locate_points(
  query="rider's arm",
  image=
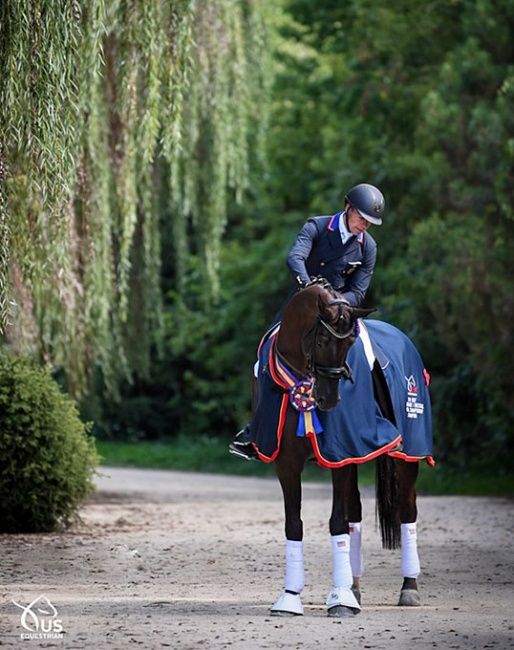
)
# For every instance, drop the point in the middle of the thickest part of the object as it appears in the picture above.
(300, 251)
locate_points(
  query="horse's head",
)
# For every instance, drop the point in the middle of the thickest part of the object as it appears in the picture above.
(318, 329)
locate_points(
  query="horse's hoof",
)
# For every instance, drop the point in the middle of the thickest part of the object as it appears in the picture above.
(287, 605)
(340, 611)
(341, 601)
(409, 598)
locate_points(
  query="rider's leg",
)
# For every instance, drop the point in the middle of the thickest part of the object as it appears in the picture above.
(241, 446)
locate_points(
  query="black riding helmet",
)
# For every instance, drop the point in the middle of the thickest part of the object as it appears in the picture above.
(369, 202)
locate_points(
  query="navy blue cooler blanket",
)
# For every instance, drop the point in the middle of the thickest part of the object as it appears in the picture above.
(355, 431)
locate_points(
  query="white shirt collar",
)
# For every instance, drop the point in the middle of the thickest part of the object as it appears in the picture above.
(345, 233)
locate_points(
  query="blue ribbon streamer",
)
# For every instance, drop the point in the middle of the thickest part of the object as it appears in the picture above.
(314, 420)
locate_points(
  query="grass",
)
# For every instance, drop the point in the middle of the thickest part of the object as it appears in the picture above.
(210, 455)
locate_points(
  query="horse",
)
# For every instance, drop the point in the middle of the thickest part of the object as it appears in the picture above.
(306, 364)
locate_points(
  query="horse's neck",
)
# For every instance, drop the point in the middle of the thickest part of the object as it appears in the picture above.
(297, 320)
(291, 351)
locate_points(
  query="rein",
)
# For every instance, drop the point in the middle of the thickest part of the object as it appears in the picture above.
(288, 364)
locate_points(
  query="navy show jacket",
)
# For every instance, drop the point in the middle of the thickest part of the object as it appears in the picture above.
(319, 250)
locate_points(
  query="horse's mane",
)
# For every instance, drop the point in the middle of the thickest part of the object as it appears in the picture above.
(319, 280)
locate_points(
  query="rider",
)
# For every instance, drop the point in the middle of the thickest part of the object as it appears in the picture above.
(340, 249)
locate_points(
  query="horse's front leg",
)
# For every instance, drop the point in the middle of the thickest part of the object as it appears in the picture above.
(341, 600)
(288, 466)
(354, 512)
(407, 474)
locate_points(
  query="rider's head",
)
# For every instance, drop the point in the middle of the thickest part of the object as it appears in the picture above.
(365, 203)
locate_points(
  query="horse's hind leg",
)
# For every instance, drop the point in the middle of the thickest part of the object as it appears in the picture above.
(407, 474)
(341, 600)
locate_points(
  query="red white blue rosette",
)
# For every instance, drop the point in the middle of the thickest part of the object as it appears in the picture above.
(301, 395)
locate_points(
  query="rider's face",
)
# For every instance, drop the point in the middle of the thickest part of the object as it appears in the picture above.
(355, 223)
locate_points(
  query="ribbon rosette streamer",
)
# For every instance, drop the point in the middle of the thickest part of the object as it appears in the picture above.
(302, 399)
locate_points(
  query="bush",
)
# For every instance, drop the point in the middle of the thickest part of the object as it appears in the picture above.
(47, 457)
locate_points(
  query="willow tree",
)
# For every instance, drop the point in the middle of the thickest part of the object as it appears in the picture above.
(104, 107)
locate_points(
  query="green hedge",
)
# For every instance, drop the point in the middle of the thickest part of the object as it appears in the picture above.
(47, 457)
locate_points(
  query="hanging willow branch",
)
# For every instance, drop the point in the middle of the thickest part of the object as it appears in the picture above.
(4, 250)
(105, 108)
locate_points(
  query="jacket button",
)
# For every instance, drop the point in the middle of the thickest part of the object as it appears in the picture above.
(322, 264)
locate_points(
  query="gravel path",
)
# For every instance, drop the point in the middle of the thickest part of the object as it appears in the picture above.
(193, 561)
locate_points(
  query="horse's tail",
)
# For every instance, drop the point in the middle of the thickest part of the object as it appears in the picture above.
(386, 479)
(386, 487)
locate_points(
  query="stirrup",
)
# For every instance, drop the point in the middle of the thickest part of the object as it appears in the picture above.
(243, 450)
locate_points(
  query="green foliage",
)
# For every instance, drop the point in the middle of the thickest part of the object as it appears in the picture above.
(216, 344)
(47, 458)
(203, 384)
(108, 110)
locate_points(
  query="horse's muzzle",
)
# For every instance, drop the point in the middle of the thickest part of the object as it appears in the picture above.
(327, 402)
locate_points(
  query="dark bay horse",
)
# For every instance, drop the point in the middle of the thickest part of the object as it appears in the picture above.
(306, 362)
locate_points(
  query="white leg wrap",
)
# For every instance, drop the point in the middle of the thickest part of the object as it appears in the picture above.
(287, 604)
(341, 593)
(356, 556)
(294, 567)
(341, 555)
(410, 558)
(342, 596)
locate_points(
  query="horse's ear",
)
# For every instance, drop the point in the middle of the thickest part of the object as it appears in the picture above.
(361, 313)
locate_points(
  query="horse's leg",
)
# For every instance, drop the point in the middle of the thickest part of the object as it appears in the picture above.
(407, 510)
(354, 509)
(288, 467)
(341, 600)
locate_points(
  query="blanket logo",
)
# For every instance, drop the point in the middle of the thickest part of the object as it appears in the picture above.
(413, 407)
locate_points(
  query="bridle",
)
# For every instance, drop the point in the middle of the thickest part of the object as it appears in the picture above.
(313, 368)
(330, 372)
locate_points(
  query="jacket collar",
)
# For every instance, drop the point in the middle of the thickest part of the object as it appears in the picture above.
(333, 226)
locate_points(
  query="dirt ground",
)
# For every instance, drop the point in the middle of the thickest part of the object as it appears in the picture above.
(190, 561)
